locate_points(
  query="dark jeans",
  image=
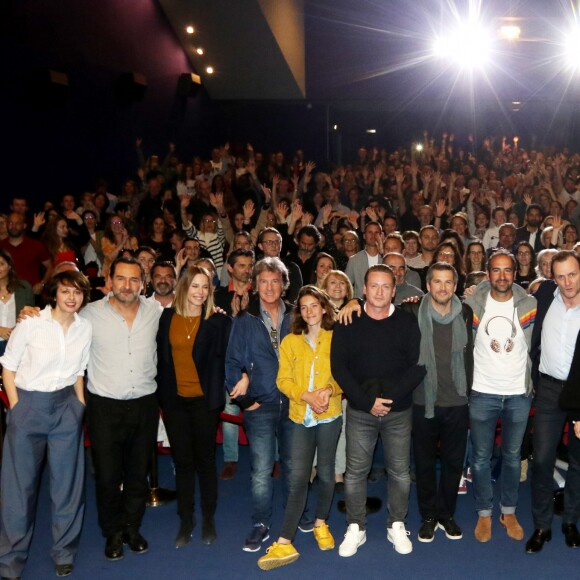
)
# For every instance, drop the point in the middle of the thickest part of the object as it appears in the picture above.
(122, 434)
(264, 426)
(192, 428)
(306, 441)
(549, 422)
(362, 432)
(446, 434)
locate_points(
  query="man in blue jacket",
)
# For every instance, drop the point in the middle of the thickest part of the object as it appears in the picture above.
(251, 369)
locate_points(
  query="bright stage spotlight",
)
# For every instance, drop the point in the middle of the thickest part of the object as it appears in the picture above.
(469, 46)
(510, 32)
(572, 49)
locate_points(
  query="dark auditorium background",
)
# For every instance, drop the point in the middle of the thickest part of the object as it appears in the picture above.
(356, 77)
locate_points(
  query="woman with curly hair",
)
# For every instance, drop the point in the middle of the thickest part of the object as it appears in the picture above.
(115, 241)
(449, 252)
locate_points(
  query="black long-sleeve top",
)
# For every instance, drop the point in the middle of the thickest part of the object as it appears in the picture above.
(370, 351)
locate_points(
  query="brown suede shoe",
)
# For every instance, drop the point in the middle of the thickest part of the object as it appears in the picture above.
(483, 529)
(512, 526)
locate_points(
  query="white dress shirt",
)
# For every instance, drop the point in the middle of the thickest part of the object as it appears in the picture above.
(8, 313)
(559, 332)
(43, 357)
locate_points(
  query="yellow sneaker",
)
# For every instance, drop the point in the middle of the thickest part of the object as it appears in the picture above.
(324, 537)
(278, 555)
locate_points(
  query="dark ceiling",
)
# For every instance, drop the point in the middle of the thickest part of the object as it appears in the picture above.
(375, 53)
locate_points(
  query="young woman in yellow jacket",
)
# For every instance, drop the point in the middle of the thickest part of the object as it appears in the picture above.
(316, 412)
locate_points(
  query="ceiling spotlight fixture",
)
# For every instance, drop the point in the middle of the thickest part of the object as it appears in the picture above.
(510, 32)
(371, 131)
(199, 50)
(335, 127)
(209, 70)
(572, 49)
(516, 103)
(469, 45)
(419, 147)
(190, 30)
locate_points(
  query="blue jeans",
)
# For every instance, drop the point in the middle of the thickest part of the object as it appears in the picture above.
(264, 426)
(484, 412)
(362, 432)
(321, 439)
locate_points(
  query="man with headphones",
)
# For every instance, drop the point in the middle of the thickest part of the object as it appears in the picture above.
(503, 320)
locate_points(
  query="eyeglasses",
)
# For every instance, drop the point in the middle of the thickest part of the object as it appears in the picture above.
(116, 223)
(271, 242)
(349, 241)
(274, 337)
(524, 253)
(208, 221)
(446, 254)
(90, 218)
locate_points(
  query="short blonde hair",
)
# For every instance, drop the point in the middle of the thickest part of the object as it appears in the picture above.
(342, 276)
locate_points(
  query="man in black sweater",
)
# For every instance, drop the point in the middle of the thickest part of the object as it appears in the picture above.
(374, 360)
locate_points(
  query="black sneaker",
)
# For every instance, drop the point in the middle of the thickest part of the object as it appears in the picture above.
(257, 536)
(451, 529)
(427, 531)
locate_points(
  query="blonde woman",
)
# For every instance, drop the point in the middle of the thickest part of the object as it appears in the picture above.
(191, 346)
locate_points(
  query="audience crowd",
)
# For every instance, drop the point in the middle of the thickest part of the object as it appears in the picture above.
(410, 294)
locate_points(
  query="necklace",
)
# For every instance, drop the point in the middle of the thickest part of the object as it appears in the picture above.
(196, 321)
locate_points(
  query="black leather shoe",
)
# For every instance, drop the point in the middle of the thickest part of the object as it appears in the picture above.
(572, 535)
(136, 542)
(536, 542)
(63, 570)
(114, 547)
(208, 533)
(184, 533)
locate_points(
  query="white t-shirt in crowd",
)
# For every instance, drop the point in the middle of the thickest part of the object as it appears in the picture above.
(499, 369)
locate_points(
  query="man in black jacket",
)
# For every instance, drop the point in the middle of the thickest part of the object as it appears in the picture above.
(440, 412)
(553, 354)
(530, 232)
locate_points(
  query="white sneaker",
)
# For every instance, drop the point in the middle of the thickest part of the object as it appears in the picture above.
(352, 540)
(399, 537)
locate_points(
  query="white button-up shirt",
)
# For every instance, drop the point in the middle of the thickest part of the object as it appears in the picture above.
(43, 357)
(559, 332)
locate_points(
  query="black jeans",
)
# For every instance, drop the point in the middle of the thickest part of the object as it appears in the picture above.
(122, 434)
(549, 422)
(192, 428)
(322, 439)
(445, 433)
